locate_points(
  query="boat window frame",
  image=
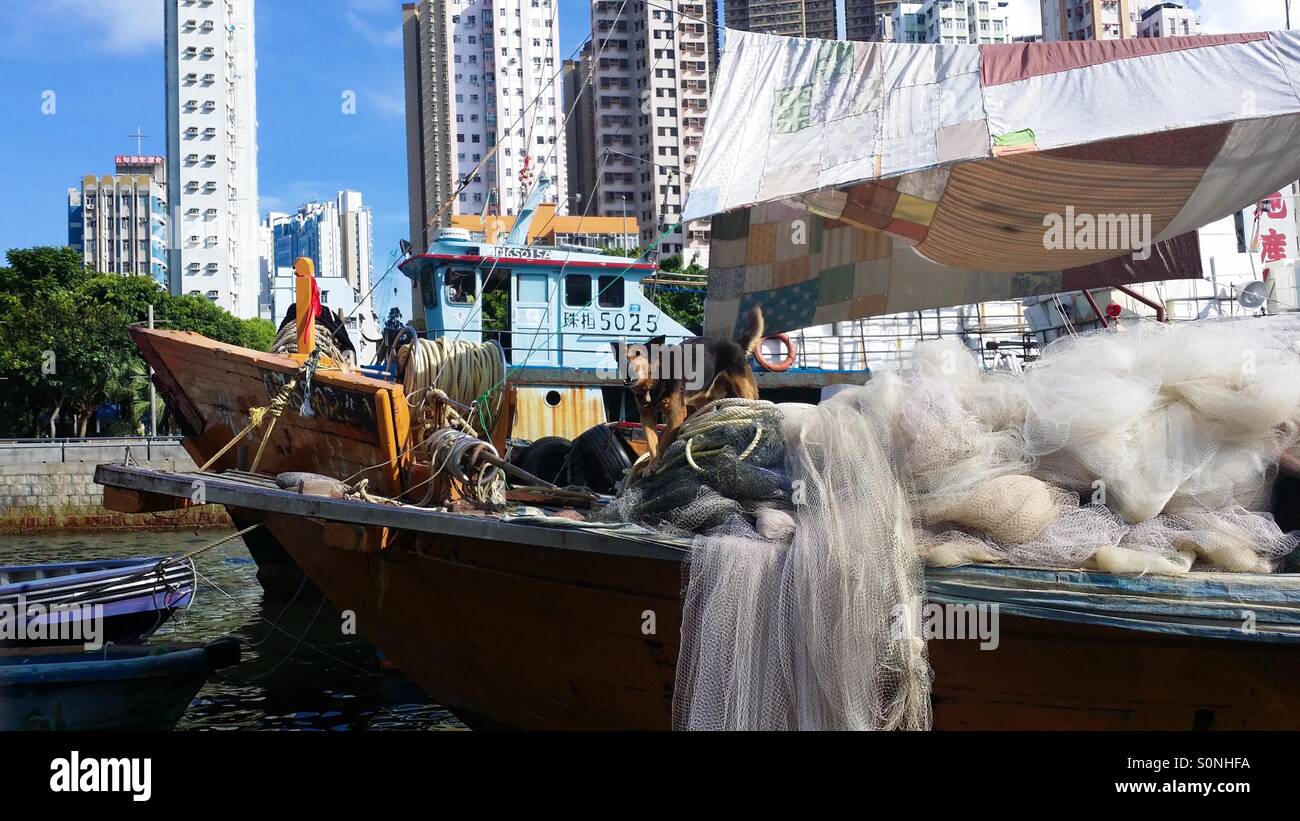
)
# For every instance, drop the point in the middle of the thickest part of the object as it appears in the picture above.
(605, 283)
(462, 275)
(569, 301)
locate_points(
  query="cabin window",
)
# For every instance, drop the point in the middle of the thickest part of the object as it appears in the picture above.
(532, 288)
(461, 289)
(577, 290)
(611, 292)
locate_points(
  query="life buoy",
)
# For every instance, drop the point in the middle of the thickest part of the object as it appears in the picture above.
(776, 367)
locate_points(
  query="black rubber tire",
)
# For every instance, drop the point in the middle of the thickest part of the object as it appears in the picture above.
(548, 458)
(599, 459)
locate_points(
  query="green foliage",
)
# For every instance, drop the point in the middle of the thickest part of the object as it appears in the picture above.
(258, 334)
(496, 309)
(65, 348)
(687, 307)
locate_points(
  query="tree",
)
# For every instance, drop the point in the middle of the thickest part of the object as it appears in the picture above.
(683, 303)
(65, 345)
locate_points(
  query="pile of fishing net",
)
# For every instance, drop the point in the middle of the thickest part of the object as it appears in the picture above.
(724, 470)
(1146, 448)
(1143, 448)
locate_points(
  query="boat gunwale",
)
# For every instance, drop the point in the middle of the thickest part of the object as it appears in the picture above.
(238, 493)
(1029, 592)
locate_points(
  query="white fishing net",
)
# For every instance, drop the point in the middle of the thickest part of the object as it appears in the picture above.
(1143, 448)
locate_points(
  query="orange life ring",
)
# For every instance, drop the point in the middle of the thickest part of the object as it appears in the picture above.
(776, 367)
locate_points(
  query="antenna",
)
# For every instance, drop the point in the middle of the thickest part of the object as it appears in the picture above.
(1253, 295)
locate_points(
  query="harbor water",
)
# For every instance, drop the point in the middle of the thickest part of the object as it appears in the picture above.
(300, 669)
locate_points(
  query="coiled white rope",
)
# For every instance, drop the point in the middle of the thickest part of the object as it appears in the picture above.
(723, 413)
(468, 373)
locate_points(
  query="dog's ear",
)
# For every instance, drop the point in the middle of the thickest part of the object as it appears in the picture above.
(659, 341)
(615, 347)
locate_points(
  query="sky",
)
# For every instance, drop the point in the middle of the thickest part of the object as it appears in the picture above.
(101, 64)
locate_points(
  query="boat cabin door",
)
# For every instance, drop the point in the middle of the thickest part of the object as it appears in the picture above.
(533, 320)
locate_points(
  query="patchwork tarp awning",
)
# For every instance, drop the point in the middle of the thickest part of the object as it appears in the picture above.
(857, 179)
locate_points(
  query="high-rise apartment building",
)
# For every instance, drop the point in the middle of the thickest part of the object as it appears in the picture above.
(212, 151)
(653, 75)
(1089, 19)
(579, 130)
(950, 21)
(793, 18)
(118, 222)
(865, 19)
(1168, 20)
(336, 236)
(484, 96)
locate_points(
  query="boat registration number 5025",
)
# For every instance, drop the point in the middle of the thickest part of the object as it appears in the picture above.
(611, 321)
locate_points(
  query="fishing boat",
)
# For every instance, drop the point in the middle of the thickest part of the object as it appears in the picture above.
(134, 687)
(119, 601)
(533, 623)
(527, 616)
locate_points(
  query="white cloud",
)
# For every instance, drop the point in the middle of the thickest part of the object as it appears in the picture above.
(117, 26)
(376, 21)
(1227, 16)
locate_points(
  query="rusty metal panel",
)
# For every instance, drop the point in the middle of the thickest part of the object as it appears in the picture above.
(558, 411)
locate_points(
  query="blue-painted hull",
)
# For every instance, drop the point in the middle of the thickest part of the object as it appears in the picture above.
(117, 688)
(134, 598)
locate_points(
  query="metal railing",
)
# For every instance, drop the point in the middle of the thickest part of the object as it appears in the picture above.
(140, 448)
(879, 342)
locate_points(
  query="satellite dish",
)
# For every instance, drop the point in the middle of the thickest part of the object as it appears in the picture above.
(1253, 295)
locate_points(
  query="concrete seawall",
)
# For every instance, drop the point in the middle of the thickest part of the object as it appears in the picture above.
(50, 485)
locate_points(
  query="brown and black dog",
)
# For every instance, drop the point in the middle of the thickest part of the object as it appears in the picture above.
(676, 380)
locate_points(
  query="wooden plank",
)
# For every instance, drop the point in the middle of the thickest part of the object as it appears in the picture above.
(122, 500)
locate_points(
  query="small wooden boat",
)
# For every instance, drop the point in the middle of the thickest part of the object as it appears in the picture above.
(130, 599)
(135, 687)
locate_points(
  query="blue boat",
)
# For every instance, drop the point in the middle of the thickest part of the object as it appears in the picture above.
(121, 601)
(136, 687)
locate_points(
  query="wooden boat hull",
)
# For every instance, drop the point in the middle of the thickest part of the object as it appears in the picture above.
(510, 633)
(118, 688)
(505, 632)
(357, 430)
(535, 627)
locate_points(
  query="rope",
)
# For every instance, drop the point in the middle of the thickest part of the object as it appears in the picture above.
(286, 341)
(723, 413)
(464, 372)
(255, 418)
(275, 627)
(459, 454)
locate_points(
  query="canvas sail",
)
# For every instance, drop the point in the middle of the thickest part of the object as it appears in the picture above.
(849, 180)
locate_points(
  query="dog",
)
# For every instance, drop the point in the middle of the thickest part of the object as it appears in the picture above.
(723, 373)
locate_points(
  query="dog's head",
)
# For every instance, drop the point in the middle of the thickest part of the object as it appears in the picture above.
(639, 361)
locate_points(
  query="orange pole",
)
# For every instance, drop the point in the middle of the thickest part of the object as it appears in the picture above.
(304, 271)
